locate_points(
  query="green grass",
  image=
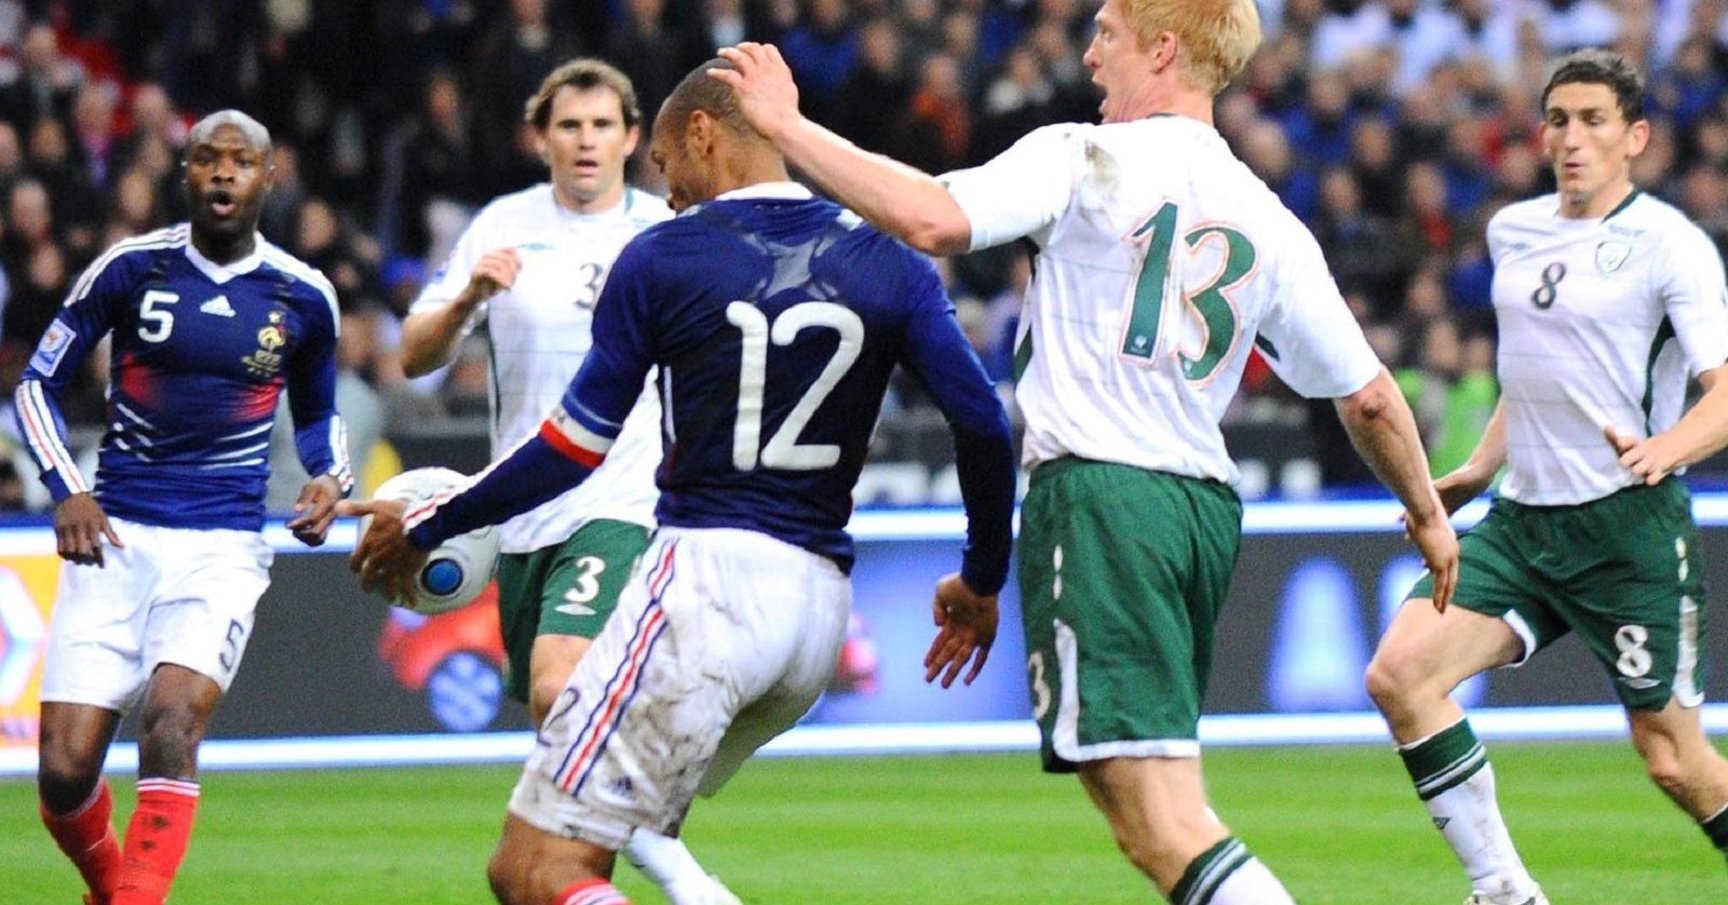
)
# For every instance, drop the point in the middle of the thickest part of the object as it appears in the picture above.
(1339, 825)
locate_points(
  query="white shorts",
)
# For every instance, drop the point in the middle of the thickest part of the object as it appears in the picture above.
(171, 595)
(723, 639)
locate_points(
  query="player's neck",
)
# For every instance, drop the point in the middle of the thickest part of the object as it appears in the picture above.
(225, 250)
(1597, 204)
(599, 204)
(1191, 104)
(749, 174)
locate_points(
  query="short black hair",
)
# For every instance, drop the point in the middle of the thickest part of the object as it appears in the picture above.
(1601, 67)
(701, 91)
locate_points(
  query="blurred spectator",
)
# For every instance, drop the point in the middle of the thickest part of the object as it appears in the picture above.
(45, 84)
(822, 53)
(868, 106)
(432, 166)
(936, 134)
(93, 129)
(1265, 150)
(652, 53)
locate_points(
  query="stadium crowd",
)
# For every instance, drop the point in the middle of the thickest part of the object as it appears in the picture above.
(1394, 129)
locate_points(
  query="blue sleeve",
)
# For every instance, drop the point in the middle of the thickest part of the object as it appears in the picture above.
(320, 438)
(943, 362)
(576, 437)
(92, 308)
(533, 473)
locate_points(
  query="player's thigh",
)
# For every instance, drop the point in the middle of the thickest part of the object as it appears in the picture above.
(207, 600)
(711, 623)
(1636, 594)
(567, 590)
(777, 702)
(96, 638)
(1122, 575)
(1499, 577)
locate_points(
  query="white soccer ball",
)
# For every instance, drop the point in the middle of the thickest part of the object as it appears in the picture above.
(457, 570)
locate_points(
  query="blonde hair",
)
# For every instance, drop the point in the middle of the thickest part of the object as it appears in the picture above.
(1215, 37)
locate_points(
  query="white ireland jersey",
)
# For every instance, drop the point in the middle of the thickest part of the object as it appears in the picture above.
(1600, 323)
(1162, 261)
(539, 331)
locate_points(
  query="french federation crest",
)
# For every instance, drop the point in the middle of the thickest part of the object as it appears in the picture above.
(1611, 255)
(267, 361)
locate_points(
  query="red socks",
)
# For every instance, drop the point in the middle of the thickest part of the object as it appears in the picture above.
(593, 891)
(87, 837)
(156, 840)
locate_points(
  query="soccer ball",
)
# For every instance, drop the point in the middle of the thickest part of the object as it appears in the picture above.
(457, 570)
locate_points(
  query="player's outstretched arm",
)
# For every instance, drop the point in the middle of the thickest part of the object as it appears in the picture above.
(1384, 431)
(430, 338)
(894, 197)
(1699, 434)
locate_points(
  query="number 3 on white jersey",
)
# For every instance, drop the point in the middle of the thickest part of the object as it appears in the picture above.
(783, 451)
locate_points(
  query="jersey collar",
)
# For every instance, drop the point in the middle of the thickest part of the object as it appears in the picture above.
(222, 273)
(782, 191)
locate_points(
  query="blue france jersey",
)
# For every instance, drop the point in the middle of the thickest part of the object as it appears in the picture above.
(200, 354)
(775, 322)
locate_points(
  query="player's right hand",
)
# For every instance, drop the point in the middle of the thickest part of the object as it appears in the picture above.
(80, 527)
(767, 95)
(1437, 542)
(495, 272)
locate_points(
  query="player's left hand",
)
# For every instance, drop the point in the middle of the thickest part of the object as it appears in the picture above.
(384, 559)
(1652, 459)
(966, 624)
(315, 510)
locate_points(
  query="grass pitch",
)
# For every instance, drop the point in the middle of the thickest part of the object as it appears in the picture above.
(1341, 826)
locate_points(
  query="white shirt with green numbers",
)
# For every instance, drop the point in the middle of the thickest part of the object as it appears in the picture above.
(1161, 260)
(1601, 321)
(539, 331)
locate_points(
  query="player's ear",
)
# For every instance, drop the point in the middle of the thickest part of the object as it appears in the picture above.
(700, 132)
(1639, 137)
(632, 137)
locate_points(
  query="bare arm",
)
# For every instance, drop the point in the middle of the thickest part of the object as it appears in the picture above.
(894, 197)
(1699, 434)
(1384, 432)
(1468, 481)
(430, 338)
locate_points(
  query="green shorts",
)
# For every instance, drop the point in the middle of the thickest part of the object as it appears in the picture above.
(567, 589)
(1622, 571)
(1122, 574)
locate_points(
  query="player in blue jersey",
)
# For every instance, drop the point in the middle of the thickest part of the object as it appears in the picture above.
(165, 559)
(775, 320)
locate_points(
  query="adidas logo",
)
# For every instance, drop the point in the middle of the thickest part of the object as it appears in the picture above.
(218, 306)
(1440, 822)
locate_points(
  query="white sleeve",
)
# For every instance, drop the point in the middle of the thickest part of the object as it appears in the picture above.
(1695, 296)
(1020, 192)
(452, 276)
(1309, 336)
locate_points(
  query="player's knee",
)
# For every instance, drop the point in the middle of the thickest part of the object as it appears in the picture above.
(64, 779)
(1666, 768)
(1390, 679)
(543, 692)
(168, 738)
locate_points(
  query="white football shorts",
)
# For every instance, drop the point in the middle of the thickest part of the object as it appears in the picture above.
(723, 639)
(171, 595)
